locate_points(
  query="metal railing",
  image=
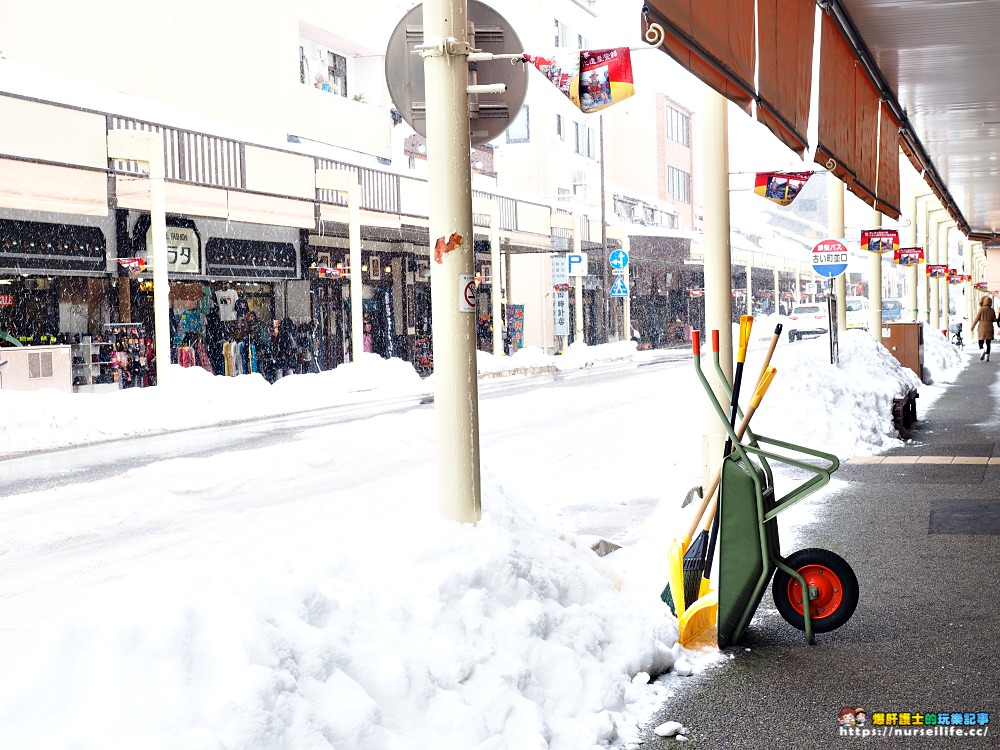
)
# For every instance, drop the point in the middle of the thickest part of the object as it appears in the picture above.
(379, 190)
(190, 157)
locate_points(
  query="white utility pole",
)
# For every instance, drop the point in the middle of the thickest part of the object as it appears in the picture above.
(445, 51)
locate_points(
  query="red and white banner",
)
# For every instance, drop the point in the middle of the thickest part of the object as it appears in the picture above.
(592, 79)
(6, 300)
(134, 266)
(880, 240)
(780, 187)
(908, 256)
(937, 271)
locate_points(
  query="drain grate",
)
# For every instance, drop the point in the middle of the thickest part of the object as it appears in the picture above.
(964, 517)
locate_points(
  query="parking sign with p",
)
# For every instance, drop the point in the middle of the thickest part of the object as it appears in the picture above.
(576, 264)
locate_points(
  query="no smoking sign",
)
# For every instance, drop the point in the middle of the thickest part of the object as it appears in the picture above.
(466, 293)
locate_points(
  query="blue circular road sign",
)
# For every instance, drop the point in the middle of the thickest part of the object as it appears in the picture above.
(618, 259)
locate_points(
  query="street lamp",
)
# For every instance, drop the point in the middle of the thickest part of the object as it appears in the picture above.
(146, 148)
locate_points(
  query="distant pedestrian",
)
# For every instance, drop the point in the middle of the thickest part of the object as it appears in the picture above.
(983, 323)
(285, 349)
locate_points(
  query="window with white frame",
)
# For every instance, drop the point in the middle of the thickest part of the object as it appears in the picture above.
(678, 127)
(679, 184)
(520, 129)
(560, 128)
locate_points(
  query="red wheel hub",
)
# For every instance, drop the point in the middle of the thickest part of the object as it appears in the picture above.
(825, 591)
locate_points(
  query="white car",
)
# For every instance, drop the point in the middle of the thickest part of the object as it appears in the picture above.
(808, 320)
(857, 312)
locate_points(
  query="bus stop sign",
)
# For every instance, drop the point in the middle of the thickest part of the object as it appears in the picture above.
(829, 258)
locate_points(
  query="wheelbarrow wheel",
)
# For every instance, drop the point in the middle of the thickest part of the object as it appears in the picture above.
(833, 585)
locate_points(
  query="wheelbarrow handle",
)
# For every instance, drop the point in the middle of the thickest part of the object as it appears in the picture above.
(758, 394)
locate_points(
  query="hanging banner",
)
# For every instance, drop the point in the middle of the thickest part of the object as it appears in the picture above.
(908, 256)
(560, 295)
(134, 266)
(954, 277)
(780, 187)
(880, 240)
(592, 79)
(937, 271)
(515, 327)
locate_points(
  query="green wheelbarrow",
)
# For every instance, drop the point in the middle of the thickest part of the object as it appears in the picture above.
(814, 590)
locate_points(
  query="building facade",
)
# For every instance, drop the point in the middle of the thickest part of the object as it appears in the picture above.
(251, 105)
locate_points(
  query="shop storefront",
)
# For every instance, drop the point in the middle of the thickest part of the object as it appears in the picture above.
(55, 289)
(396, 302)
(229, 296)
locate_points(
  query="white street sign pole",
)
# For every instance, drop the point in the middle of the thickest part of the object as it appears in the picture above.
(456, 394)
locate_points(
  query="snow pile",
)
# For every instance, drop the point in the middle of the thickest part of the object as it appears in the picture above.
(309, 594)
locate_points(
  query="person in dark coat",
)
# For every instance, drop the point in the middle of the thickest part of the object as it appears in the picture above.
(214, 336)
(983, 323)
(286, 348)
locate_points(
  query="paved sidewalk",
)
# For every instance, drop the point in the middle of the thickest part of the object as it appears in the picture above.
(921, 528)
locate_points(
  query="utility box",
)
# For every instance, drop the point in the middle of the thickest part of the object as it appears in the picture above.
(32, 368)
(906, 343)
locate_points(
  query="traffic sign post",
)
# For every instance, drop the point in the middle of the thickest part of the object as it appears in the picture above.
(576, 264)
(618, 260)
(829, 258)
(619, 289)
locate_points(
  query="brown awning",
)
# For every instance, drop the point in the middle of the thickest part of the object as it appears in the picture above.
(785, 49)
(887, 186)
(836, 146)
(720, 54)
(865, 115)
